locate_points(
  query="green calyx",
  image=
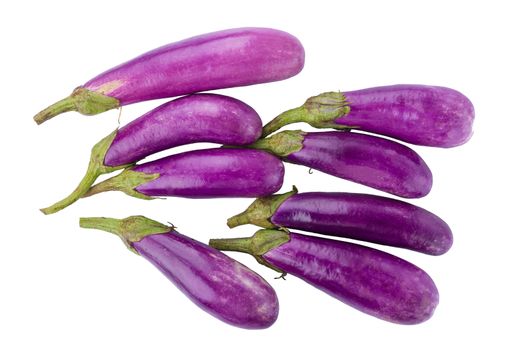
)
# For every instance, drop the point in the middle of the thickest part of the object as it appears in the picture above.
(319, 111)
(82, 100)
(281, 144)
(259, 244)
(95, 168)
(131, 229)
(127, 182)
(261, 211)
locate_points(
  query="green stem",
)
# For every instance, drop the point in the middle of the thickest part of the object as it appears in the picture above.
(257, 245)
(261, 211)
(319, 111)
(242, 245)
(65, 105)
(95, 168)
(125, 182)
(131, 229)
(281, 144)
(295, 115)
(82, 100)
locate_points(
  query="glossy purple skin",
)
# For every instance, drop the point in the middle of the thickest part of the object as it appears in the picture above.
(369, 160)
(418, 114)
(215, 282)
(372, 281)
(195, 118)
(367, 218)
(213, 173)
(229, 58)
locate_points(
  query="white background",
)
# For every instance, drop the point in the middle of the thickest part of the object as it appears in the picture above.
(67, 288)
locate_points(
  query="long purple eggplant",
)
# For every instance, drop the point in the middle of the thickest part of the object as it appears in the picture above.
(419, 114)
(369, 160)
(229, 58)
(216, 283)
(189, 119)
(209, 173)
(358, 216)
(372, 281)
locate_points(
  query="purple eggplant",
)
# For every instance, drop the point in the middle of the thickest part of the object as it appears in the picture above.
(209, 173)
(358, 216)
(419, 114)
(189, 119)
(215, 282)
(369, 160)
(229, 58)
(370, 280)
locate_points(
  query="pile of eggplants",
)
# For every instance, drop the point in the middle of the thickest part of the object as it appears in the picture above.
(248, 162)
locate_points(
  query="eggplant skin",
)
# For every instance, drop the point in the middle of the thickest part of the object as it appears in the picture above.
(372, 281)
(189, 119)
(367, 218)
(419, 114)
(369, 160)
(213, 173)
(228, 58)
(218, 284)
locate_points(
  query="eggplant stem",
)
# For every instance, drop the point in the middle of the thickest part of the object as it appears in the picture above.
(95, 168)
(82, 100)
(65, 105)
(319, 111)
(131, 229)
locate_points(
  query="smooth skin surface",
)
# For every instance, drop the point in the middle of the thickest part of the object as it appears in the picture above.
(372, 281)
(215, 282)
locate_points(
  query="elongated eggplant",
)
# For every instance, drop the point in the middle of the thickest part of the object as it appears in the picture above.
(216, 283)
(419, 114)
(369, 160)
(189, 119)
(372, 281)
(228, 58)
(209, 173)
(358, 216)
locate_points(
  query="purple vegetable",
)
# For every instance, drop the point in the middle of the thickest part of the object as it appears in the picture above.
(358, 216)
(209, 173)
(190, 119)
(372, 281)
(218, 284)
(229, 58)
(369, 160)
(419, 114)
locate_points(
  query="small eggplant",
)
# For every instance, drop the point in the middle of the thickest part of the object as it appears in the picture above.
(209, 173)
(418, 114)
(189, 119)
(370, 280)
(228, 58)
(215, 282)
(369, 160)
(351, 215)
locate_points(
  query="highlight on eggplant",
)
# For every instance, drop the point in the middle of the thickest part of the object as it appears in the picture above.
(190, 119)
(357, 216)
(418, 114)
(224, 59)
(216, 283)
(367, 279)
(208, 173)
(366, 159)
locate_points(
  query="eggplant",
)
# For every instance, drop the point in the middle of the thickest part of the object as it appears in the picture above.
(358, 216)
(216, 283)
(370, 280)
(209, 173)
(418, 114)
(369, 160)
(190, 119)
(228, 58)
